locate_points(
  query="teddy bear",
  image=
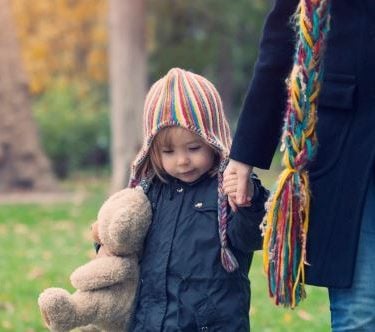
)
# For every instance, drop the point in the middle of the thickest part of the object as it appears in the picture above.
(106, 286)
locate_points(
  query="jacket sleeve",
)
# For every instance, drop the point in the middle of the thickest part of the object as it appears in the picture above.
(259, 125)
(243, 226)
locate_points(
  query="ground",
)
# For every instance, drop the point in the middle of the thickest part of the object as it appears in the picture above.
(30, 197)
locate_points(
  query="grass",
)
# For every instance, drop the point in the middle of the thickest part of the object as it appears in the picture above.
(41, 245)
(310, 316)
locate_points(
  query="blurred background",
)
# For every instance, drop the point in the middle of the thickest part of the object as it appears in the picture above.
(73, 77)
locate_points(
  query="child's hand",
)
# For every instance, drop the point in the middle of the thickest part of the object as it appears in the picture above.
(230, 186)
(242, 172)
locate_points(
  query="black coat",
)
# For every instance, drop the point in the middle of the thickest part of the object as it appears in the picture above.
(183, 284)
(346, 119)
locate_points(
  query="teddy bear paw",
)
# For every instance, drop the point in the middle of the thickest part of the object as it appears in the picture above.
(58, 311)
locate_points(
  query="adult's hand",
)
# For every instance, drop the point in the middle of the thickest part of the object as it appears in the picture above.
(236, 183)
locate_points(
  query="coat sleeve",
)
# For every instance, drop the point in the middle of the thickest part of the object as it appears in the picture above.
(259, 125)
(243, 226)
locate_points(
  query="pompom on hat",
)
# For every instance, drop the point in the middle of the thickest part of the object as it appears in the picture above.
(187, 100)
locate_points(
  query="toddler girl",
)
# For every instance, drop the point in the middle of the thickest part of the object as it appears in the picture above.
(197, 254)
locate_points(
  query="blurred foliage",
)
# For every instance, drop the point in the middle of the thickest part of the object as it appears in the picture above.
(205, 35)
(62, 40)
(64, 45)
(74, 129)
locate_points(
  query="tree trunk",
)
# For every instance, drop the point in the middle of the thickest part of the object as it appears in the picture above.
(23, 164)
(225, 73)
(127, 65)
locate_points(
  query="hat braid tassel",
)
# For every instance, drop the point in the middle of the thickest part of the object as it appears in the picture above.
(286, 223)
(228, 259)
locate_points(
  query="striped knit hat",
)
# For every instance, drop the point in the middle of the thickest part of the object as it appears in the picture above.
(187, 100)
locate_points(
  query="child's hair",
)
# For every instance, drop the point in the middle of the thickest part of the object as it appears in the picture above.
(190, 101)
(185, 100)
(153, 161)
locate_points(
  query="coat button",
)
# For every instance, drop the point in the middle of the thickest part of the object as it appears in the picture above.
(198, 205)
(180, 190)
(204, 328)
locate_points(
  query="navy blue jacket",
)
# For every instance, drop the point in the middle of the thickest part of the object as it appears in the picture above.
(183, 284)
(346, 119)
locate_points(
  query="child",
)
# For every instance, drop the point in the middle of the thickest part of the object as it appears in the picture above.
(196, 259)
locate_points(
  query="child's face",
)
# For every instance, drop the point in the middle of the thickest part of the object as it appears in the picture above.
(187, 156)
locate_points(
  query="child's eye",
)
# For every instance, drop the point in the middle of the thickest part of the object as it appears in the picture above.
(194, 148)
(167, 151)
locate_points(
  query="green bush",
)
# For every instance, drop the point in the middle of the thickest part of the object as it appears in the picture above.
(74, 129)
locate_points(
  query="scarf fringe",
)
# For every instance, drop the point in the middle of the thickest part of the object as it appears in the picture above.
(285, 225)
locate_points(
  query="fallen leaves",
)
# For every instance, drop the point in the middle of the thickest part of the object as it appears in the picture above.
(305, 315)
(35, 273)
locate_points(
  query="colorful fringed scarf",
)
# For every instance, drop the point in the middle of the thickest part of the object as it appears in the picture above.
(187, 100)
(286, 223)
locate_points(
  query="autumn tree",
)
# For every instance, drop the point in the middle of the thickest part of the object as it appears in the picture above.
(127, 60)
(23, 164)
(64, 47)
(63, 42)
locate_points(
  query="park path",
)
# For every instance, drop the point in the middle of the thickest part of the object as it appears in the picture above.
(41, 197)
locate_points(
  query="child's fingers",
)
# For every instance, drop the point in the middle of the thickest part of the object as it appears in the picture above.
(230, 183)
(232, 205)
(247, 204)
(242, 189)
(231, 178)
(230, 189)
(232, 196)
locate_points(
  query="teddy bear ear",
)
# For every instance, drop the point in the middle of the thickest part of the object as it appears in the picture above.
(129, 230)
(130, 222)
(123, 221)
(95, 232)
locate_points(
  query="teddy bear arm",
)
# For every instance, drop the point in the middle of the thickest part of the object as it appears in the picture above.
(103, 272)
(63, 311)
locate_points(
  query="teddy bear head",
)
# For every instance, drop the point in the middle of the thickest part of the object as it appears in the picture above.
(123, 221)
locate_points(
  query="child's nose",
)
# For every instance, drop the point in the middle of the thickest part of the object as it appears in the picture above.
(182, 159)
